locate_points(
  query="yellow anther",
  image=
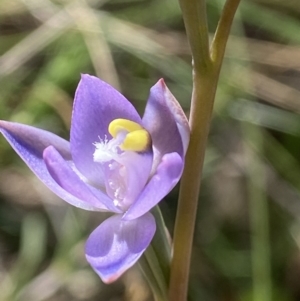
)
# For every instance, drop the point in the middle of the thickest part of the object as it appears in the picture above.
(118, 125)
(136, 141)
(137, 138)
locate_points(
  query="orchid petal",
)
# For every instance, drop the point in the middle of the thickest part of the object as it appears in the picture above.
(29, 143)
(166, 177)
(138, 168)
(66, 177)
(116, 245)
(96, 104)
(33, 140)
(166, 122)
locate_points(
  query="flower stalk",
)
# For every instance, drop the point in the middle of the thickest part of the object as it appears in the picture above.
(147, 271)
(206, 70)
(161, 243)
(158, 274)
(155, 263)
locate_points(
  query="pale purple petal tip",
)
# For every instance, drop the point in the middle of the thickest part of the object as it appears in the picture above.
(166, 177)
(166, 121)
(116, 245)
(31, 140)
(96, 104)
(29, 143)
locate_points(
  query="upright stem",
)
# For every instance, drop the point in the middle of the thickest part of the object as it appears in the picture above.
(222, 32)
(205, 79)
(194, 16)
(161, 243)
(202, 104)
(147, 271)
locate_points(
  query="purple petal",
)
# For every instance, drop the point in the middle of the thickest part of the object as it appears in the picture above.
(29, 143)
(166, 122)
(116, 245)
(166, 177)
(24, 137)
(96, 105)
(65, 176)
(138, 166)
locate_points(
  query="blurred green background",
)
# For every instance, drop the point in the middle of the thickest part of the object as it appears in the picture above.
(247, 239)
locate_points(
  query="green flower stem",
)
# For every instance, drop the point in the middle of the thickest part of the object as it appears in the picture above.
(156, 260)
(194, 16)
(151, 269)
(205, 78)
(148, 274)
(157, 272)
(161, 244)
(155, 263)
(202, 103)
(222, 32)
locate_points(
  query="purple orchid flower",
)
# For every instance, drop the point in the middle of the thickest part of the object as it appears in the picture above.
(115, 161)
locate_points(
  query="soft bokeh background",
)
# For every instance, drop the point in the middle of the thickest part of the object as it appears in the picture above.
(247, 236)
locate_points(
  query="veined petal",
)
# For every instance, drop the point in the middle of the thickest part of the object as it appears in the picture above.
(166, 177)
(96, 104)
(116, 245)
(166, 122)
(65, 177)
(29, 143)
